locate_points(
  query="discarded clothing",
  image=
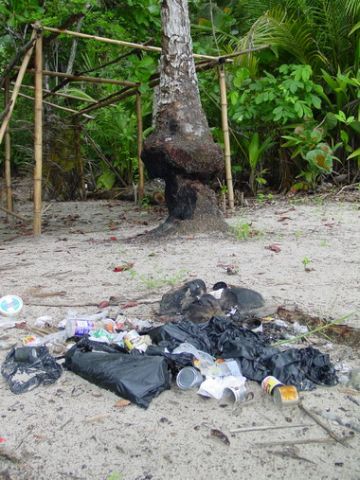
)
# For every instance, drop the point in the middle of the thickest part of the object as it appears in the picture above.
(303, 367)
(25, 375)
(136, 377)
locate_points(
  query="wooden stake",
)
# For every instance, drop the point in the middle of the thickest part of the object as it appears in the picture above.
(9, 202)
(225, 128)
(139, 146)
(38, 135)
(14, 95)
(138, 46)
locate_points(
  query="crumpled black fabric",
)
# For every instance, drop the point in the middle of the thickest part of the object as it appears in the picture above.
(304, 367)
(23, 376)
(136, 377)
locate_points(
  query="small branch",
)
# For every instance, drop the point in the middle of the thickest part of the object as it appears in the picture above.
(268, 427)
(323, 425)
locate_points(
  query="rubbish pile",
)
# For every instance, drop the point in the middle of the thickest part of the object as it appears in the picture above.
(213, 341)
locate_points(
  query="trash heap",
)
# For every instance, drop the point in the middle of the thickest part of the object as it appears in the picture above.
(215, 352)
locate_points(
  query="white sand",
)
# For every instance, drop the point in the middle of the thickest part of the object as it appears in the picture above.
(48, 426)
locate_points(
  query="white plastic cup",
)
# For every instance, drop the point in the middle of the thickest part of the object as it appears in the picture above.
(189, 377)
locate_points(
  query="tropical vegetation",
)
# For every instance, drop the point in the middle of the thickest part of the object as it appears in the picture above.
(294, 106)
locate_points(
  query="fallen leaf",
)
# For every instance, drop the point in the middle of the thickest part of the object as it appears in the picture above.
(282, 219)
(123, 267)
(214, 432)
(122, 403)
(113, 239)
(104, 304)
(130, 305)
(274, 248)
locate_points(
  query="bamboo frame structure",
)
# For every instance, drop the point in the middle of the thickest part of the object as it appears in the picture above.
(130, 89)
(38, 137)
(18, 82)
(138, 46)
(140, 144)
(9, 202)
(225, 128)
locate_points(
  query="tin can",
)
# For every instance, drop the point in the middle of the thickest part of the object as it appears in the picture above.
(283, 395)
(269, 384)
(234, 395)
(189, 377)
(286, 395)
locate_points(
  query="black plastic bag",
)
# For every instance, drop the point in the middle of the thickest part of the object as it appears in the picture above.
(136, 377)
(23, 376)
(302, 367)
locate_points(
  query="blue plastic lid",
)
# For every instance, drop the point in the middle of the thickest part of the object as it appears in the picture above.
(10, 305)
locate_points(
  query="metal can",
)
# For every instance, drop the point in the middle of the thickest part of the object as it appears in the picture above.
(269, 384)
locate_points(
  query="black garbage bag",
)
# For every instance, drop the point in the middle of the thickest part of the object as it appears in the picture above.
(303, 367)
(171, 335)
(137, 377)
(28, 373)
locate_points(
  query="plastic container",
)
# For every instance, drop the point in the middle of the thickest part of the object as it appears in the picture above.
(189, 377)
(283, 395)
(78, 328)
(133, 340)
(25, 354)
(10, 305)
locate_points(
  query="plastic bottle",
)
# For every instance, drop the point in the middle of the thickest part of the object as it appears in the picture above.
(78, 328)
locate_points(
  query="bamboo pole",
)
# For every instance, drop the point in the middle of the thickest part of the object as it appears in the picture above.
(38, 135)
(126, 92)
(242, 52)
(225, 128)
(138, 46)
(139, 146)
(14, 95)
(60, 107)
(82, 78)
(13, 214)
(59, 94)
(9, 202)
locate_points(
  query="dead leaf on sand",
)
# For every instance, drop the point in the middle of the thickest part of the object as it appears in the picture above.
(122, 403)
(274, 248)
(214, 432)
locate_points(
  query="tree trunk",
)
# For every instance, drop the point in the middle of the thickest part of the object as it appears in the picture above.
(181, 149)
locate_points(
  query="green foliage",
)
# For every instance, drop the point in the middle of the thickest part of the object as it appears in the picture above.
(279, 99)
(307, 141)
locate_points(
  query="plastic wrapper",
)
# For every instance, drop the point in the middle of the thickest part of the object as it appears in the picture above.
(301, 367)
(138, 378)
(23, 376)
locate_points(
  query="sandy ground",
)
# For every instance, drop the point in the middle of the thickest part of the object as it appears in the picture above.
(72, 429)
